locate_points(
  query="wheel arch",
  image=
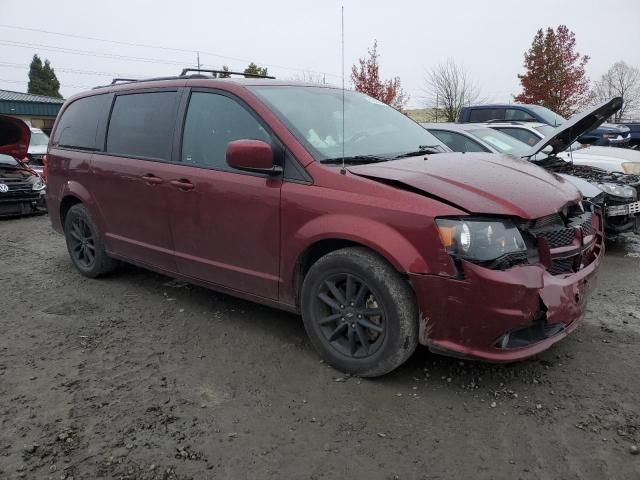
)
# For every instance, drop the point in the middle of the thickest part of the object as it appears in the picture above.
(354, 232)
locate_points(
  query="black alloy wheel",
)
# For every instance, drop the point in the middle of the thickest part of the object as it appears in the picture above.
(82, 244)
(85, 245)
(359, 312)
(349, 316)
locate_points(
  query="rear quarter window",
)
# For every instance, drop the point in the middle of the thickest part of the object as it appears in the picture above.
(78, 125)
(142, 125)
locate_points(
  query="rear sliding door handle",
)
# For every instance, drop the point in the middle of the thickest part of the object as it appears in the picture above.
(151, 179)
(182, 184)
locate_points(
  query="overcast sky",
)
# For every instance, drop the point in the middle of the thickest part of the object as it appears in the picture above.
(488, 37)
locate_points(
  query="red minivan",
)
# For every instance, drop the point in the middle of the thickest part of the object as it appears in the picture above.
(337, 207)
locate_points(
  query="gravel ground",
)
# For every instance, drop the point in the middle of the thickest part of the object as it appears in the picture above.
(139, 377)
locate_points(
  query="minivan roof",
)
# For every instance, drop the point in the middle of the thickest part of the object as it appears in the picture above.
(193, 81)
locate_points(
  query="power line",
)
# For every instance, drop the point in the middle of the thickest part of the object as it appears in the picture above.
(89, 53)
(71, 70)
(62, 85)
(159, 47)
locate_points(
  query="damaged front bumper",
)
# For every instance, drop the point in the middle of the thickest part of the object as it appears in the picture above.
(502, 316)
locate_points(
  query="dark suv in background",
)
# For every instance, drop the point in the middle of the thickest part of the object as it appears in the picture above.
(326, 203)
(606, 134)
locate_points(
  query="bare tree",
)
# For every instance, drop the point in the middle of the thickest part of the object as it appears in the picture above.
(448, 88)
(621, 80)
(317, 78)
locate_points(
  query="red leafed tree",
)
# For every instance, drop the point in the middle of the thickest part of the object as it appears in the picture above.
(366, 79)
(555, 76)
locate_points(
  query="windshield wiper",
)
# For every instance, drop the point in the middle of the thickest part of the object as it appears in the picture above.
(422, 150)
(355, 159)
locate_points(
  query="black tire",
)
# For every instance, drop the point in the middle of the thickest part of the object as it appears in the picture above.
(85, 244)
(381, 330)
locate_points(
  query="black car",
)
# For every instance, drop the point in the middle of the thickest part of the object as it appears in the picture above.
(22, 191)
(606, 134)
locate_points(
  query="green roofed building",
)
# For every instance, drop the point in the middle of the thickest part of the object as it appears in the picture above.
(37, 110)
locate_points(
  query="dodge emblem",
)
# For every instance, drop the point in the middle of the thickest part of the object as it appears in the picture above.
(4, 188)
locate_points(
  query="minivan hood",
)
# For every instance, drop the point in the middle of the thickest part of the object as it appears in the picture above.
(15, 136)
(575, 127)
(483, 183)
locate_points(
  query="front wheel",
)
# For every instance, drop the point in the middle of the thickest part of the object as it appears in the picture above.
(359, 312)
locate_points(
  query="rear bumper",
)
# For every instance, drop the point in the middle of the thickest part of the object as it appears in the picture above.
(501, 316)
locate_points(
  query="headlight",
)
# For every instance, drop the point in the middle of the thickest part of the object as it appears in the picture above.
(631, 167)
(623, 191)
(38, 184)
(480, 240)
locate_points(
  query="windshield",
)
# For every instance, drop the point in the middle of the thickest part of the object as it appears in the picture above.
(314, 116)
(7, 160)
(547, 115)
(38, 139)
(501, 142)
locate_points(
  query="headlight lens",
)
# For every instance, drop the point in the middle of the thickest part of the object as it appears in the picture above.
(631, 167)
(623, 191)
(480, 240)
(38, 184)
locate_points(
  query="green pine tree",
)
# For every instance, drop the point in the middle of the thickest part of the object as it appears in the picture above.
(254, 69)
(42, 79)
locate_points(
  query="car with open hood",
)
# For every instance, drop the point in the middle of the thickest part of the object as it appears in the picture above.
(620, 160)
(619, 196)
(326, 203)
(605, 134)
(22, 191)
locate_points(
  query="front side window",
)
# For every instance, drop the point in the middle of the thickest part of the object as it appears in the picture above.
(142, 125)
(212, 122)
(78, 125)
(515, 114)
(480, 115)
(314, 116)
(550, 117)
(458, 142)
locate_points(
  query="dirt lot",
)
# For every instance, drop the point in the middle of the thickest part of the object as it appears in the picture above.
(136, 377)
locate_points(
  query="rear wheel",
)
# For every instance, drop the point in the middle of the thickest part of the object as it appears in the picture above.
(85, 245)
(359, 312)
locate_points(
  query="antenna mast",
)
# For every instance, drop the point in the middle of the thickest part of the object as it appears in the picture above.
(343, 171)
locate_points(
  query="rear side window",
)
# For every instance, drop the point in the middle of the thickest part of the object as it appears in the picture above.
(478, 115)
(142, 125)
(78, 125)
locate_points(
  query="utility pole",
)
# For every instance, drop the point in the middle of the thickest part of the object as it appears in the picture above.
(198, 57)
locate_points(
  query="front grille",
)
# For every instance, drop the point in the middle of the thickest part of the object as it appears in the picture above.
(564, 231)
(562, 265)
(18, 190)
(558, 238)
(562, 236)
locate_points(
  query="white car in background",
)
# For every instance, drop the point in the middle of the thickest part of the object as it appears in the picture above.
(611, 159)
(37, 150)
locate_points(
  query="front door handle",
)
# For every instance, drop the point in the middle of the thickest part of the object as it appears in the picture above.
(151, 179)
(183, 184)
